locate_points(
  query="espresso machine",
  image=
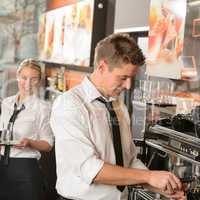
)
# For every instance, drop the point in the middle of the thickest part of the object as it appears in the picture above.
(175, 138)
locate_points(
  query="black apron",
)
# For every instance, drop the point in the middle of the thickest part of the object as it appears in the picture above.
(20, 178)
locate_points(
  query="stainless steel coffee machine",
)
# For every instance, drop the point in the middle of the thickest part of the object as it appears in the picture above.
(177, 137)
(171, 142)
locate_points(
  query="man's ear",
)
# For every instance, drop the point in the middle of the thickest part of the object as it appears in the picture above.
(101, 66)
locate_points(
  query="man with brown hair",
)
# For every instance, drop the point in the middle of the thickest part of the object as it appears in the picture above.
(95, 154)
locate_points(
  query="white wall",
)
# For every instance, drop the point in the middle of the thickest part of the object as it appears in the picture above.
(131, 13)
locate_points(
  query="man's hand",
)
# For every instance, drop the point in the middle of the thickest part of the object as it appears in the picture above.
(165, 181)
(177, 195)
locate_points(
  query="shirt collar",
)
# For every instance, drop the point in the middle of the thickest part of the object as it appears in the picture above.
(27, 101)
(92, 92)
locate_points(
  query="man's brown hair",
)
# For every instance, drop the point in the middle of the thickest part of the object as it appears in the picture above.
(118, 49)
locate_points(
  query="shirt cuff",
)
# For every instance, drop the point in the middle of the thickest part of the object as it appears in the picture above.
(90, 169)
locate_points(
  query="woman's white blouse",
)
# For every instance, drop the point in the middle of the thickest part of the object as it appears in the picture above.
(32, 122)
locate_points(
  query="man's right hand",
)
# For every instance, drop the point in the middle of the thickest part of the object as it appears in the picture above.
(164, 181)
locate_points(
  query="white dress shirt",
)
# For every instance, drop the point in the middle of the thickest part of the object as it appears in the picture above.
(83, 142)
(32, 122)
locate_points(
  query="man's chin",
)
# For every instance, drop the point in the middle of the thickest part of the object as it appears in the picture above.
(115, 94)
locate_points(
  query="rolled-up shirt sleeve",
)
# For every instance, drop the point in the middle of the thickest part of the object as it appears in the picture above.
(75, 151)
(44, 129)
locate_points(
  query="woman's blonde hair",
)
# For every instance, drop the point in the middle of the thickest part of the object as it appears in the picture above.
(30, 63)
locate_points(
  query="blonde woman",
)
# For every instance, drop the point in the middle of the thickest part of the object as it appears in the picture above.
(27, 117)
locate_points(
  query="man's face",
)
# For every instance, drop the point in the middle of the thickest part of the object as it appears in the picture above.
(117, 80)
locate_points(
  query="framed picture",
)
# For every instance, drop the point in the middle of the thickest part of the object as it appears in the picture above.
(68, 35)
(173, 27)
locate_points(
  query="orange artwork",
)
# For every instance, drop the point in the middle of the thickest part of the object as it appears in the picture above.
(166, 36)
(52, 4)
(62, 31)
(68, 35)
(51, 35)
(42, 31)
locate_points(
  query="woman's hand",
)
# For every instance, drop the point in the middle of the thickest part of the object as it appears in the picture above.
(39, 145)
(25, 142)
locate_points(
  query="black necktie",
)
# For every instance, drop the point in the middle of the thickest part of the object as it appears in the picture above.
(10, 129)
(116, 135)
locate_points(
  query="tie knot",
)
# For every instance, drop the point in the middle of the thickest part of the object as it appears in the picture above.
(16, 112)
(18, 109)
(108, 104)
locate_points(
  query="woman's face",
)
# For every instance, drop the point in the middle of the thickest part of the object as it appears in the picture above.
(28, 81)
